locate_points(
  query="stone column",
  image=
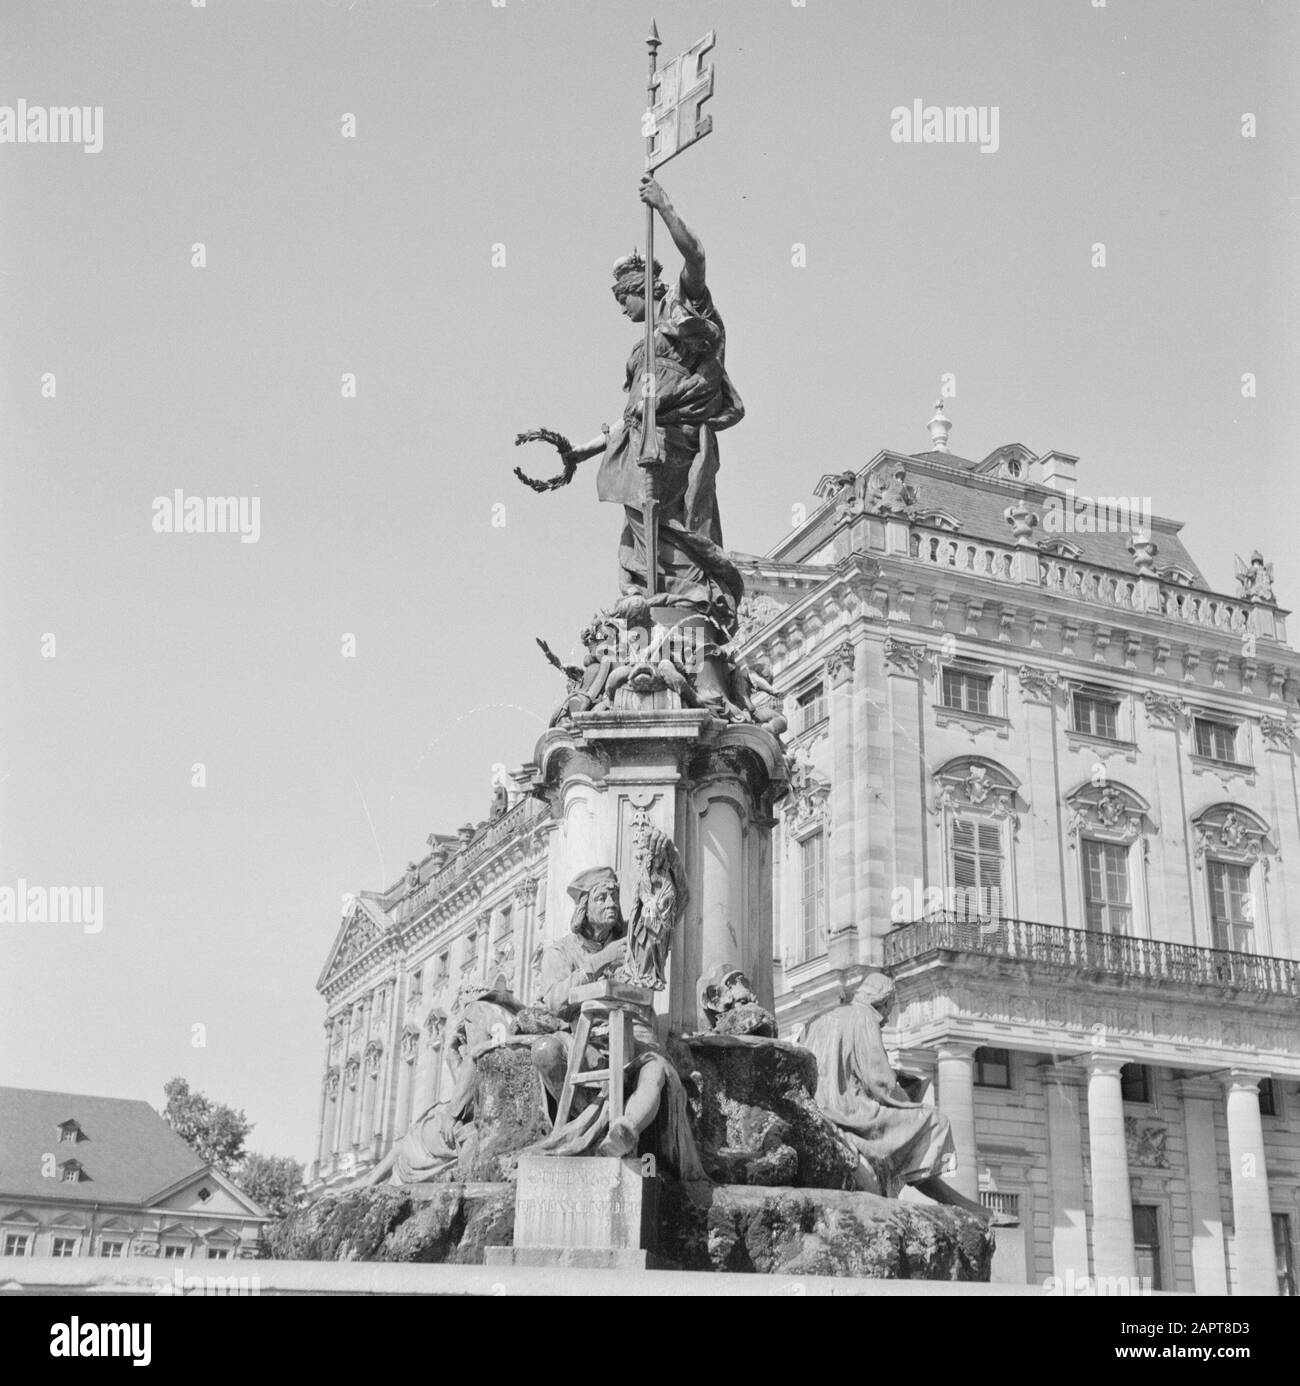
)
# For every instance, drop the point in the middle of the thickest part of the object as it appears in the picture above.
(525, 898)
(427, 1071)
(359, 1105)
(1113, 1252)
(841, 888)
(409, 1049)
(386, 1116)
(956, 1074)
(722, 883)
(1209, 1269)
(323, 1116)
(372, 1069)
(1065, 1173)
(329, 1121)
(1252, 1219)
(347, 1122)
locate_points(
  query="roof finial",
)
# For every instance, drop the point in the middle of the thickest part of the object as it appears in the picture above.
(940, 428)
(652, 39)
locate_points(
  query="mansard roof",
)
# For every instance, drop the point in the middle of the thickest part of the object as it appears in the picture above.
(127, 1151)
(978, 502)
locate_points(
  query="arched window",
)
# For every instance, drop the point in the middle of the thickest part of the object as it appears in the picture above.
(1234, 847)
(1108, 829)
(978, 804)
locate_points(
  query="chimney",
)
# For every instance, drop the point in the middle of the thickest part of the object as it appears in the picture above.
(1056, 470)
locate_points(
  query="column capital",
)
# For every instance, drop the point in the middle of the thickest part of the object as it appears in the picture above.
(1241, 1079)
(1101, 1065)
(958, 1050)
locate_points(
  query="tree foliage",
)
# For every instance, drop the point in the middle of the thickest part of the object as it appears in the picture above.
(273, 1180)
(214, 1131)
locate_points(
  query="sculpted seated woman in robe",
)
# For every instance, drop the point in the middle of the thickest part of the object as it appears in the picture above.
(898, 1141)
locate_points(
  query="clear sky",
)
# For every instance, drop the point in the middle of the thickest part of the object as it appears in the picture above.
(517, 125)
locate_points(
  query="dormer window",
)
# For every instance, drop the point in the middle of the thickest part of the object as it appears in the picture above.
(69, 1133)
(70, 1172)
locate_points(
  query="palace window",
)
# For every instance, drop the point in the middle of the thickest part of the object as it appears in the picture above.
(1135, 1083)
(417, 983)
(1096, 714)
(443, 969)
(1283, 1247)
(1108, 905)
(964, 690)
(1267, 1098)
(1215, 740)
(1232, 906)
(16, 1243)
(812, 901)
(992, 1068)
(174, 1252)
(811, 705)
(63, 1246)
(112, 1248)
(977, 867)
(1146, 1242)
(218, 1253)
(470, 962)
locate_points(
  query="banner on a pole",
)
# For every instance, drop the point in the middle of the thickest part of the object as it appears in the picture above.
(681, 87)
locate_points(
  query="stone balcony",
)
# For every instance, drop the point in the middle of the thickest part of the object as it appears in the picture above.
(1016, 946)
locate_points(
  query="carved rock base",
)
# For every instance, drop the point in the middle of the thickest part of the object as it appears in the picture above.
(754, 1117)
(823, 1232)
(429, 1222)
(508, 1114)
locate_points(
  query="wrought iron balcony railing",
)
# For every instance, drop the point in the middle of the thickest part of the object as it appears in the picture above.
(1091, 951)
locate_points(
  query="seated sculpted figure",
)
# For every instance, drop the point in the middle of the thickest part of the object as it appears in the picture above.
(596, 947)
(897, 1141)
(432, 1146)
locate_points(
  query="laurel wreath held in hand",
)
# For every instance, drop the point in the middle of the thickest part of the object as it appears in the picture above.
(562, 445)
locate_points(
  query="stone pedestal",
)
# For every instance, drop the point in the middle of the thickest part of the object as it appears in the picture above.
(708, 784)
(585, 1211)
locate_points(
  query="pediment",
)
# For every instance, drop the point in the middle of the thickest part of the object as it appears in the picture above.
(363, 926)
(1108, 809)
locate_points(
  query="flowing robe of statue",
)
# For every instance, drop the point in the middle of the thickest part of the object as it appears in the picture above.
(901, 1142)
(694, 401)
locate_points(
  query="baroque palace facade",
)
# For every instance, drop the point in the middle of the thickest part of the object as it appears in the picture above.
(1046, 779)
